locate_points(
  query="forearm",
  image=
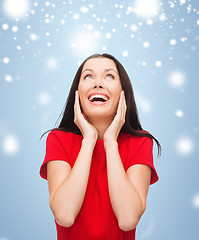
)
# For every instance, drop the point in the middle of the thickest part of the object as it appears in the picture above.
(68, 198)
(126, 202)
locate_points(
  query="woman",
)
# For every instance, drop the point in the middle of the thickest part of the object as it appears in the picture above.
(99, 161)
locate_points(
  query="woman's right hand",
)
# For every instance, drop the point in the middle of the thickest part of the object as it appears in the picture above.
(88, 130)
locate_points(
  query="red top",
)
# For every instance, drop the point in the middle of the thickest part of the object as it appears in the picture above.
(96, 219)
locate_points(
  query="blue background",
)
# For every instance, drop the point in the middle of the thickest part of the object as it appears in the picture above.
(44, 52)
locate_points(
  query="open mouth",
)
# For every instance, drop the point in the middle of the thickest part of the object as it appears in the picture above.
(98, 98)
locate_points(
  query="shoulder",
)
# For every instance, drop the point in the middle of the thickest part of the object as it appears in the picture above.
(136, 140)
(66, 138)
(132, 144)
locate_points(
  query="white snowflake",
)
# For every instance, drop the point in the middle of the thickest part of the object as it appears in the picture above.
(90, 27)
(48, 44)
(173, 42)
(143, 103)
(158, 63)
(172, 5)
(179, 113)
(18, 47)
(52, 63)
(125, 53)
(10, 144)
(144, 64)
(182, 1)
(34, 37)
(176, 78)
(108, 35)
(44, 98)
(15, 28)
(195, 201)
(8, 78)
(84, 9)
(146, 44)
(84, 42)
(183, 39)
(146, 9)
(16, 8)
(5, 26)
(47, 4)
(76, 16)
(149, 22)
(184, 145)
(6, 60)
(134, 28)
(162, 17)
(32, 12)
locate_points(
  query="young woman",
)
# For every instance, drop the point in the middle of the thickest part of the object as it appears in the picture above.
(99, 161)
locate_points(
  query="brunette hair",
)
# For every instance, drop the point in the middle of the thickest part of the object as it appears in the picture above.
(132, 124)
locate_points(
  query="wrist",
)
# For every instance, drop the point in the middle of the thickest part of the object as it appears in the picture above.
(110, 144)
(89, 141)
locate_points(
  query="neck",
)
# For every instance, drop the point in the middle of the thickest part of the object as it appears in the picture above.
(101, 125)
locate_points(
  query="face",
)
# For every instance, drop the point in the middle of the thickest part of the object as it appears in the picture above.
(99, 88)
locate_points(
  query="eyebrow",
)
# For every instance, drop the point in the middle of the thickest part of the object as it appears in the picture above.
(106, 70)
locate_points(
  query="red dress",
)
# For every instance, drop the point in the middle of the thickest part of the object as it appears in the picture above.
(96, 219)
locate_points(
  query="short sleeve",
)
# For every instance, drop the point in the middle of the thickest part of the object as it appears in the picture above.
(54, 151)
(144, 155)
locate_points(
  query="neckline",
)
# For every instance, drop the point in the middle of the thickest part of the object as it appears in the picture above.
(102, 140)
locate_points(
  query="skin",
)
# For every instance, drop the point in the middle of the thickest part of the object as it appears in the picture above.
(67, 187)
(101, 75)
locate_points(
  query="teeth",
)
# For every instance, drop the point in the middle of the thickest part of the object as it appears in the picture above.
(98, 96)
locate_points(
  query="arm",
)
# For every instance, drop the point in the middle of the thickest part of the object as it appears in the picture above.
(67, 187)
(128, 191)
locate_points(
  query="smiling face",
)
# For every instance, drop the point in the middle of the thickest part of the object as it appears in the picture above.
(99, 88)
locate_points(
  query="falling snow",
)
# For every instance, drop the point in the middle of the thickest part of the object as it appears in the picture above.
(158, 63)
(5, 26)
(6, 60)
(195, 201)
(42, 44)
(147, 9)
(146, 44)
(179, 113)
(173, 42)
(44, 98)
(184, 145)
(16, 8)
(8, 78)
(125, 53)
(177, 79)
(34, 37)
(10, 145)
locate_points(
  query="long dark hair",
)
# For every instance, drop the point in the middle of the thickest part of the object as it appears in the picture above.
(132, 124)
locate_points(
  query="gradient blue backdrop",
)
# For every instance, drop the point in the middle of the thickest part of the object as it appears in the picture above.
(39, 55)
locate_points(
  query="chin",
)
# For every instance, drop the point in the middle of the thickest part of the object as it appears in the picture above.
(99, 113)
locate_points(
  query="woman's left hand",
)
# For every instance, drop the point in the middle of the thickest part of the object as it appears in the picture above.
(113, 130)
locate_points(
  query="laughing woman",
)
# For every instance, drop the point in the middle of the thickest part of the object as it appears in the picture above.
(99, 161)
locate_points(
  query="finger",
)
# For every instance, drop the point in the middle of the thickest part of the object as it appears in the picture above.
(119, 108)
(124, 105)
(77, 101)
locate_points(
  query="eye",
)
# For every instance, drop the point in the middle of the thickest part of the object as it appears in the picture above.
(110, 76)
(88, 76)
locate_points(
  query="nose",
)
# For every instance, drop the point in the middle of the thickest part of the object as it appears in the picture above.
(98, 83)
(98, 86)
